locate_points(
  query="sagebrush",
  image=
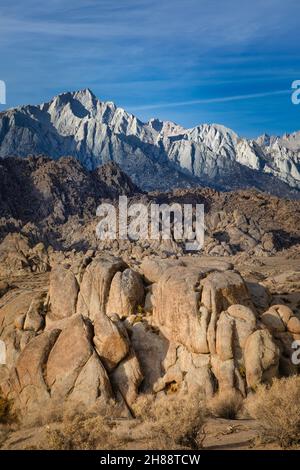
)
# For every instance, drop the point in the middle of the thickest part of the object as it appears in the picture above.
(227, 404)
(173, 422)
(277, 408)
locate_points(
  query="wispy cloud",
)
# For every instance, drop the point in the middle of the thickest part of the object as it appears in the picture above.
(221, 99)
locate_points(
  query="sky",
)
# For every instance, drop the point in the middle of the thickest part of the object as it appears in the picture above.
(230, 62)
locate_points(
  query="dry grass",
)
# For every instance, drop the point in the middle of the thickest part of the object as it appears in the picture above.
(227, 405)
(277, 409)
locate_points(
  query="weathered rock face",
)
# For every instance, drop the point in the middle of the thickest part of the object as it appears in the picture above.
(111, 340)
(261, 358)
(176, 308)
(63, 293)
(127, 378)
(87, 333)
(211, 314)
(187, 303)
(126, 293)
(58, 369)
(26, 384)
(95, 285)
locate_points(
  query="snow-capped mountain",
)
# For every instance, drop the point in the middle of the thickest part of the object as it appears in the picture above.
(156, 154)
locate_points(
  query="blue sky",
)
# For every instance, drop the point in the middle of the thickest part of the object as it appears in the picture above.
(190, 61)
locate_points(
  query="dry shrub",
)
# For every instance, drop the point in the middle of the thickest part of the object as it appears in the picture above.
(83, 434)
(160, 424)
(226, 404)
(277, 409)
(172, 422)
(142, 407)
(87, 431)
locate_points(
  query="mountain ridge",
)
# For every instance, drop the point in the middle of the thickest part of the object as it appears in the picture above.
(156, 154)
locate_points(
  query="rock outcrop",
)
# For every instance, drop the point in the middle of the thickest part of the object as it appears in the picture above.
(88, 333)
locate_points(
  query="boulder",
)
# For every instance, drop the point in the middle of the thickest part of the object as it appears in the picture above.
(27, 384)
(126, 293)
(95, 285)
(63, 292)
(261, 358)
(127, 378)
(224, 337)
(222, 289)
(110, 340)
(74, 345)
(34, 319)
(244, 324)
(294, 325)
(196, 372)
(152, 269)
(149, 301)
(176, 308)
(273, 321)
(13, 309)
(260, 296)
(225, 373)
(234, 326)
(283, 311)
(92, 387)
(151, 350)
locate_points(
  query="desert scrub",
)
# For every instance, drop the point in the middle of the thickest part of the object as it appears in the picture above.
(82, 431)
(277, 408)
(161, 424)
(83, 434)
(172, 422)
(226, 404)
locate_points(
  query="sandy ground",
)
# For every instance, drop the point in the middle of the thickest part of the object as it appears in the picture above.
(220, 434)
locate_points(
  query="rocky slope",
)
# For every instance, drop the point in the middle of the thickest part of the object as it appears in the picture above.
(36, 188)
(157, 155)
(55, 202)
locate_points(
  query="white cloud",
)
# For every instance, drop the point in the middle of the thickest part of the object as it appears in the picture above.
(222, 99)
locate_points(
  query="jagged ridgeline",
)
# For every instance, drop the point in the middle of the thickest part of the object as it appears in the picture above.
(156, 155)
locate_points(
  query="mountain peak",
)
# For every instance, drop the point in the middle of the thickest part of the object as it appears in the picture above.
(85, 92)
